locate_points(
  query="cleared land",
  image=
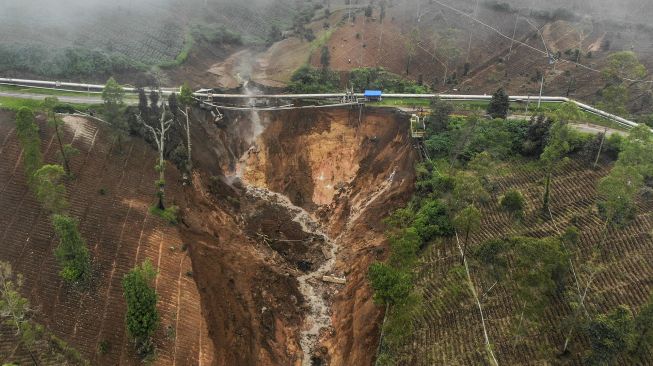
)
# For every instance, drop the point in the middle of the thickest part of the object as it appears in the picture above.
(120, 233)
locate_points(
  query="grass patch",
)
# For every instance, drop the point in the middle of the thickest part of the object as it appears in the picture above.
(170, 214)
(189, 42)
(15, 103)
(45, 91)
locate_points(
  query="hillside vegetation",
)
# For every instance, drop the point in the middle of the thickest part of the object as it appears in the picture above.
(525, 242)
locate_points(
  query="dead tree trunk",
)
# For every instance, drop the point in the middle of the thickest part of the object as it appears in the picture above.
(159, 134)
(189, 163)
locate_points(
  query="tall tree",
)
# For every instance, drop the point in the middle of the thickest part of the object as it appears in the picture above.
(610, 335)
(621, 70)
(540, 269)
(142, 317)
(66, 151)
(13, 307)
(642, 345)
(28, 133)
(186, 101)
(113, 97)
(325, 57)
(499, 104)
(49, 188)
(554, 155)
(411, 48)
(71, 252)
(467, 221)
(159, 133)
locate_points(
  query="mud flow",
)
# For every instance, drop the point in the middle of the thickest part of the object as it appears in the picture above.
(286, 220)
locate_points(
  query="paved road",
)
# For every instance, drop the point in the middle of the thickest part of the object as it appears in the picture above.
(81, 99)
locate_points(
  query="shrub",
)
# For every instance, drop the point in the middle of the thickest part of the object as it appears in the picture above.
(379, 78)
(170, 213)
(610, 335)
(513, 202)
(432, 220)
(49, 188)
(71, 253)
(28, 133)
(310, 80)
(142, 317)
(391, 286)
(499, 105)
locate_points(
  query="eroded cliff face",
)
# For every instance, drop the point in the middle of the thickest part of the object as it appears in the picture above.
(270, 215)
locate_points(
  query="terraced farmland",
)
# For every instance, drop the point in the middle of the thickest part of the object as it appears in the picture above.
(110, 195)
(449, 331)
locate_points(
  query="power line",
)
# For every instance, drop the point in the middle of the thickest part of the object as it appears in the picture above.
(529, 46)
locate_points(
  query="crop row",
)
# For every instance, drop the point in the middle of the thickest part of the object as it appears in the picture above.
(449, 332)
(110, 196)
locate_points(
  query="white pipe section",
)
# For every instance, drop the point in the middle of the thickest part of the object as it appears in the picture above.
(204, 93)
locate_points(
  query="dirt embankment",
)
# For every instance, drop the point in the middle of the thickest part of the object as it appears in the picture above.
(110, 195)
(258, 256)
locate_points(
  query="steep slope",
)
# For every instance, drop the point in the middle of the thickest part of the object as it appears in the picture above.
(314, 190)
(449, 330)
(110, 196)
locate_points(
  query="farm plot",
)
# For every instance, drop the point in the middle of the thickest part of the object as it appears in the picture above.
(110, 196)
(449, 330)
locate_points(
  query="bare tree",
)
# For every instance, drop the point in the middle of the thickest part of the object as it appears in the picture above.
(159, 133)
(186, 101)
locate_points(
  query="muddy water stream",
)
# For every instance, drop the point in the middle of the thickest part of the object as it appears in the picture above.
(311, 286)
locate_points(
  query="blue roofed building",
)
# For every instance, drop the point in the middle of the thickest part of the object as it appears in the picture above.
(372, 95)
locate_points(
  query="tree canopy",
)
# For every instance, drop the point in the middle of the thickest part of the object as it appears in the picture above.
(142, 317)
(499, 105)
(71, 253)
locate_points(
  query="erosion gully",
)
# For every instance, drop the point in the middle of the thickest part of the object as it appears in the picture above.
(311, 286)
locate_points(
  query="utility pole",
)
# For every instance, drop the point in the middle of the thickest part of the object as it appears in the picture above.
(469, 45)
(539, 101)
(512, 40)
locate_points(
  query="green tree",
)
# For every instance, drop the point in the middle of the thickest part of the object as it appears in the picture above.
(66, 151)
(14, 309)
(438, 121)
(568, 112)
(554, 155)
(113, 97)
(71, 253)
(614, 99)
(186, 101)
(325, 57)
(159, 133)
(404, 245)
(142, 317)
(28, 133)
(623, 65)
(610, 335)
(622, 68)
(432, 220)
(499, 104)
(513, 202)
(411, 47)
(618, 190)
(541, 267)
(642, 346)
(49, 188)
(467, 221)
(391, 286)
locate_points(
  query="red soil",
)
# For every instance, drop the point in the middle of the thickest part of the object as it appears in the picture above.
(120, 233)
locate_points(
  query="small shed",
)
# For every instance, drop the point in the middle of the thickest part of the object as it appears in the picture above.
(373, 95)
